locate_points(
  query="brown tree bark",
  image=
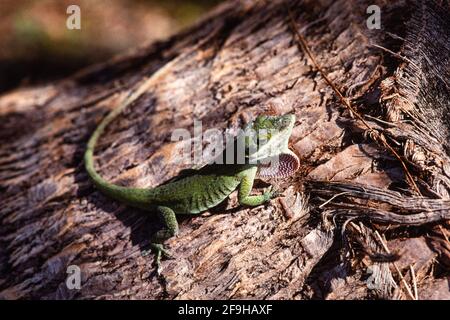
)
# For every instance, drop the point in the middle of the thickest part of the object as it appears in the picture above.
(241, 60)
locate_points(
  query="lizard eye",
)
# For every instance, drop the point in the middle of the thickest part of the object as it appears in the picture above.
(264, 136)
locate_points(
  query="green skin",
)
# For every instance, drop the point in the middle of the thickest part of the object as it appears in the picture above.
(204, 188)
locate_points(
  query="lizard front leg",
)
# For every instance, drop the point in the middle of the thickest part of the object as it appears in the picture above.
(245, 188)
(170, 229)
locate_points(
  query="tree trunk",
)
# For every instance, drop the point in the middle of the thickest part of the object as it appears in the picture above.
(241, 60)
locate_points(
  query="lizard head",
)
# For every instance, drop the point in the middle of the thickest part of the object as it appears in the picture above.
(267, 142)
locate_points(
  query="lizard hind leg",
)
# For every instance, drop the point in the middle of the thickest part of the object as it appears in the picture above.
(169, 230)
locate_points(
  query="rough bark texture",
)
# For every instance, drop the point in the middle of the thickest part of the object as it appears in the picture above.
(240, 61)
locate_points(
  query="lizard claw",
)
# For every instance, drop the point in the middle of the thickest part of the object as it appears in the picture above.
(276, 193)
(167, 254)
(146, 253)
(271, 193)
(160, 252)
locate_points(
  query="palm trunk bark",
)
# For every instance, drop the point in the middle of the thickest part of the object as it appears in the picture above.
(241, 60)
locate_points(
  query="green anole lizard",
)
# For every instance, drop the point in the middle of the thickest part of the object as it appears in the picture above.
(208, 186)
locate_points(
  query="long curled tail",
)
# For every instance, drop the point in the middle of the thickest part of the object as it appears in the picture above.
(133, 196)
